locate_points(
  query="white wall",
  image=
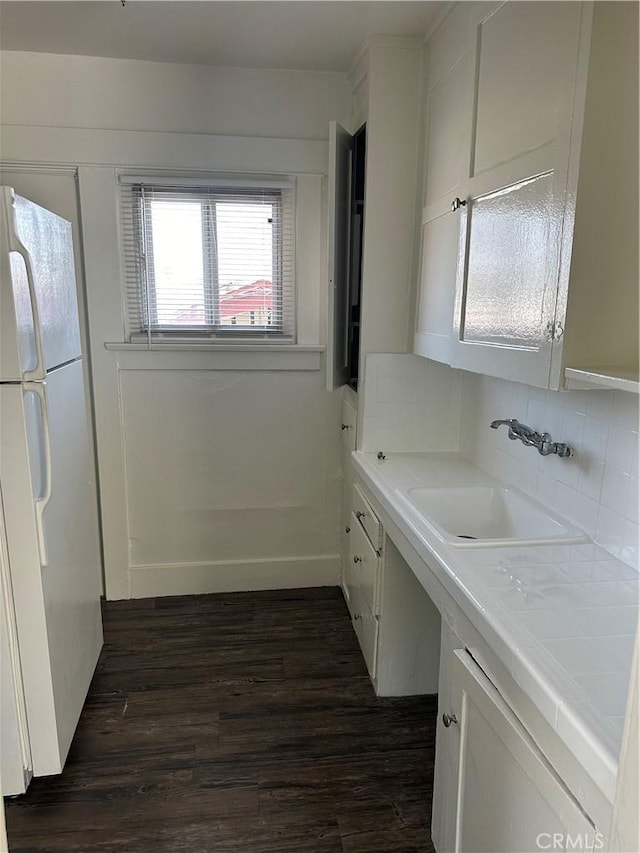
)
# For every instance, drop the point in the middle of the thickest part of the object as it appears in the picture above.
(219, 470)
(233, 479)
(51, 90)
(597, 488)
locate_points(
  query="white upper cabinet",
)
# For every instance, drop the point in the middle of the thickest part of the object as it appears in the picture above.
(448, 128)
(524, 68)
(506, 163)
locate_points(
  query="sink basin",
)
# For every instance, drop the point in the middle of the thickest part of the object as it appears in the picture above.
(487, 516)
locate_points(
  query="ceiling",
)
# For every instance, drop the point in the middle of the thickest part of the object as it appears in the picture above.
(319, 35)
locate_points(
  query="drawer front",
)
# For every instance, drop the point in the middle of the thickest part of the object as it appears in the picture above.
(348, 425)
(364, 562)
(365, 625)
(367, 517)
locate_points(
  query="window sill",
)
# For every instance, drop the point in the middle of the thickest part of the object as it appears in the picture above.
(174, 355)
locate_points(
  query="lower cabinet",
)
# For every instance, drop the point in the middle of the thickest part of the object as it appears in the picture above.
(365, 624)
(494, 790)
(395, 621)
(361, 579)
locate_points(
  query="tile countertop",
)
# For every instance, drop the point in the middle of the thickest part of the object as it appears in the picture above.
(561, 618)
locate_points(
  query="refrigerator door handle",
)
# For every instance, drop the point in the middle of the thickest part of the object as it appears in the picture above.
(15, 245)
(42, 501)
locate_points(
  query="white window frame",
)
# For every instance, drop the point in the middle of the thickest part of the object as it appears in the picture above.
(142, 330)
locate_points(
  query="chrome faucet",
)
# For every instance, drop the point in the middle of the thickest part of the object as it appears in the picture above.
(531, 438)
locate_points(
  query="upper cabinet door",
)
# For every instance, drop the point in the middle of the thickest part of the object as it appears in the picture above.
(449, 106)
(525, 66)
(339, 210)
(507, 280)
(512, 205)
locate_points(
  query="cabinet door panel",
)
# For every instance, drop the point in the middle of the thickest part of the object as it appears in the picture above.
(525, 70)
(448, 130)
(508, 795)
(440, 238)
(511, 265)
(348, 427)
(366, 628)
(508, 277)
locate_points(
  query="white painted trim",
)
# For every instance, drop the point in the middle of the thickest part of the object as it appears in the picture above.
(625, 829)
(154, 180)
(357, 72)
(104, 305)
(37, 168)
(160, 150)
(234, 576)
(439, 18)
(4, 846)
(195, 346)
(171, 357)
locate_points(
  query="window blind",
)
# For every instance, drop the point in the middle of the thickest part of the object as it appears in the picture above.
(208, 261)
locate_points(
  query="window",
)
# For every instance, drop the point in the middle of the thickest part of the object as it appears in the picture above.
(208, 261)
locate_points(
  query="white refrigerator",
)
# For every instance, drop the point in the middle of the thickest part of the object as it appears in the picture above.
(50, 621)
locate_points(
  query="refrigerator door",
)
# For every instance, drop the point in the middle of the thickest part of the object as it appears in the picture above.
(15, 754)
(52, 536)
(15, 760)
(39, 326)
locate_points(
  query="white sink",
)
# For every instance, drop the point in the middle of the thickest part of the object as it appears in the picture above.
(487, 516)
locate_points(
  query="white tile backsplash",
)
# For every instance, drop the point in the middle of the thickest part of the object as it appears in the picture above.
(411, 405)
(597, 488)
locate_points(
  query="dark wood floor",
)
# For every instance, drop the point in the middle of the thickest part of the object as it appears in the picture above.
(242, 722)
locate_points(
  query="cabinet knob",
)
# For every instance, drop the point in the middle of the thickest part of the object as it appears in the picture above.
(447, 719)
(347, 530)
(356, 616)
(457, 203)
(359, 514)
(344, 426)
(357, 559)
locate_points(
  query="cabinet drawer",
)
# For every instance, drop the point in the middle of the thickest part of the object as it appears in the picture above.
(364, 564)
(367, 518)
(365, 625)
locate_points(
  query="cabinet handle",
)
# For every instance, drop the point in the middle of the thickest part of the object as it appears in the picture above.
(357, 559)
(457, 203)
(447, 719)
(344, 426)
(359, 514)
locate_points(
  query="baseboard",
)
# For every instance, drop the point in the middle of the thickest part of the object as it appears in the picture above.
(234, 576)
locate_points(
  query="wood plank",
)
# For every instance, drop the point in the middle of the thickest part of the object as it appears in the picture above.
(241, 722)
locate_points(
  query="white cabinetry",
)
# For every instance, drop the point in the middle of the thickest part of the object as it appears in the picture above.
(397, 625)
(372, 220)
(348, 428)
(362, 576)
(524, 180)
(494, 789)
